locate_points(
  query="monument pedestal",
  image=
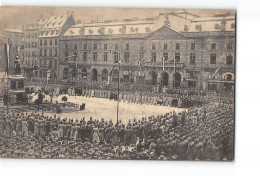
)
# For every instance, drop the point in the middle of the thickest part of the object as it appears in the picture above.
(16, 89)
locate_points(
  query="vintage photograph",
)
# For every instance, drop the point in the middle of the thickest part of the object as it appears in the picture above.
(117, 83)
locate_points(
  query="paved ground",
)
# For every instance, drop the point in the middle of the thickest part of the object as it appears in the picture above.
(99, 107)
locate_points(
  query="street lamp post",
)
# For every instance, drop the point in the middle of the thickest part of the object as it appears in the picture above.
(118, 90)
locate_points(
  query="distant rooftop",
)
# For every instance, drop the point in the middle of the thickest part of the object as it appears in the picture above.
(13, 30)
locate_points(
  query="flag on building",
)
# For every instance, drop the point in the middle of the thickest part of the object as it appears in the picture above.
(163, 62)
(141, 64)
(110, 75)
(216, 72)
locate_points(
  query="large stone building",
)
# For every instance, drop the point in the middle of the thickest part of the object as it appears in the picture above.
(30, 55)
(49, 44)
(172, 50)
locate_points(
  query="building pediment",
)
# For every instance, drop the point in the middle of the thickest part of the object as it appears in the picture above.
(165, 33)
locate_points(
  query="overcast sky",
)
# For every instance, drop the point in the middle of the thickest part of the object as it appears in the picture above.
(17, 16)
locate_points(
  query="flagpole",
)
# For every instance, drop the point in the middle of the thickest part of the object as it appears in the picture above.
(7, 73)
(174, 73)
(118, 85)
(7, 91)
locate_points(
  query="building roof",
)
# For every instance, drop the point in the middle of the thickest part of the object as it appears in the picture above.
(213, 18)
(54, 22)
(52, 26)
(13, 30)
(112, 28)
(209, 33)
(165, 32)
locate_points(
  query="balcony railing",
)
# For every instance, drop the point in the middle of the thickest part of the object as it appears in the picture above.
(167, 64)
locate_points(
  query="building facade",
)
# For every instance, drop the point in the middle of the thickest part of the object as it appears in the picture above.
(30, 56)
(49, 45)
(195, 53)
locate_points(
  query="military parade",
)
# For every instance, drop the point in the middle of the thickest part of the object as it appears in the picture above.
(135, 89)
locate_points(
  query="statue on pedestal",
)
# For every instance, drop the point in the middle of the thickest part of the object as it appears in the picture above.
(17, 68)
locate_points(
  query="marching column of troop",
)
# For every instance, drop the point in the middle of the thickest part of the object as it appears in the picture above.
(179, 99)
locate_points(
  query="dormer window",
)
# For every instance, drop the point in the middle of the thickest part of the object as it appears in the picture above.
(185, 28)
(217, 26)
(71, 32)
(90, 31)
(57, 32)
(147, 29)
(110, 31)
(198, 27)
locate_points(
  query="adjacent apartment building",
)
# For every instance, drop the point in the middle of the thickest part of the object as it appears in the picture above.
(49, 45)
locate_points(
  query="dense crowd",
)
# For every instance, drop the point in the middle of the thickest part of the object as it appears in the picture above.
(181, 99)
(200, 133)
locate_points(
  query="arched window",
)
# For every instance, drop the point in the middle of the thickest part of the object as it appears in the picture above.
(153, 78)
(228, 77)
(104, 75)
(165, 79)
(176, 80)
(115, 75)
(65, 73)
(94, 75)
(84, 73)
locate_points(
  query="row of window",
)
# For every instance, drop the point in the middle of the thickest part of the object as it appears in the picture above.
(153, 47)
(213, 46)
(31, 35)
(30, 44)
(116, 56)
(51, 63)
(51, 42)
(29, 63)
(217, 26)
(213, 59)
(177, 58)
(95, 47)
(30, 54)
(127, 46)
(52, 52)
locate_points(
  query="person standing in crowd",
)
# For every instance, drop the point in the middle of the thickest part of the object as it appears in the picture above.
(200, 133)
(25, 127)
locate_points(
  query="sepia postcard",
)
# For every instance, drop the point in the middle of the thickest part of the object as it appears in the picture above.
(117, 83)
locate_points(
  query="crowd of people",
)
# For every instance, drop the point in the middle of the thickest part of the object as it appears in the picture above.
(201, 133)
(181, 99)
